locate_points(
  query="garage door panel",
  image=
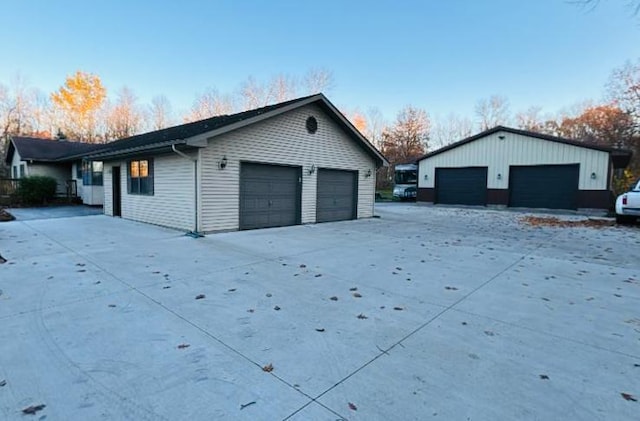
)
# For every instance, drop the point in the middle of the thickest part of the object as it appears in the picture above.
(544, 186)
(461, 186)
(269, 196)
(336, 195)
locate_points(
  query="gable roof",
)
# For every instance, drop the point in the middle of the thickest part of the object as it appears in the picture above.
(621, 156)
(196, 133)
(47, 150)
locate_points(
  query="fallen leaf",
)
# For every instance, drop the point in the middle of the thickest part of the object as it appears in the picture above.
(318, 275)
(628, 397)
(112, 305)
(231, 290)
(268, 295)
(353, 289)
(617, 295)
(268, 368)
(244, 405)
(250, 310)
(200, 296)
(33, 409)
(398, 308)
(464, 323)
(3, 383)
(489, 333)
(352, 407)
(166, 287)
(303, 266)
(545, 299)
(451, 288)
(320, 330)
(544, 377)
(555, 222)
(398, 268)
(276, 308)
(183, 346)
(362, 316)
(334, 298)
(357, 295)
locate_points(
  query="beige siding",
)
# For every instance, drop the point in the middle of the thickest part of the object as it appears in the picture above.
(498, 154)
(280, 140)
(107, 184)
(15, 163)
(171, 205)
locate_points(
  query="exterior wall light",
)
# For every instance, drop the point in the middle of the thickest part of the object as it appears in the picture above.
(223, 163)
(593, 176)
(499, 176)
(367, 174)
(426, 176)
(312, 169)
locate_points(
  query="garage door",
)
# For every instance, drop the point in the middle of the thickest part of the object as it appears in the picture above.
(461, 186)
(544, 186)
(336, 195)
(269, 196)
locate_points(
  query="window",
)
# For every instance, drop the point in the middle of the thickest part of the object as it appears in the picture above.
(79, 170)
(92, 173)
(15, 171)
(21, 170)
(140, 177)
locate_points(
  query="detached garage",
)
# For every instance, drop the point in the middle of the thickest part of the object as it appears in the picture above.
(516, 168)
(296, 162)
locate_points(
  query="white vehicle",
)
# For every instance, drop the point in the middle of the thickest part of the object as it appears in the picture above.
(405, 181)
(628, 205)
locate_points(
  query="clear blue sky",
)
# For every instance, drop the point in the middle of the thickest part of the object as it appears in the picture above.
(441, 55)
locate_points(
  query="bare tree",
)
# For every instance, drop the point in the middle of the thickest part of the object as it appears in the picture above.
(624, 89)
(209, 104)
(123, 118)
(632, 5)
(492, 111)
(281, 88)
(450, 129)
(318, 80)
(159, 113)
(376, 125)
(530, 119)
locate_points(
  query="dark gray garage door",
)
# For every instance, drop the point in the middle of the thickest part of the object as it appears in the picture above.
(544, 186)
(461, 186)
(336, 195)
(269, 196)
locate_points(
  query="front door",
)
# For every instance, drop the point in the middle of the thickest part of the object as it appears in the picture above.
(115, 188)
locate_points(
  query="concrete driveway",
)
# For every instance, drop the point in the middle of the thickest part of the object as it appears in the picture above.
(425, 313)
(51, 212)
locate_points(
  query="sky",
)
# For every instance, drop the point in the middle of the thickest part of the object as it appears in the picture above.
(439, 55)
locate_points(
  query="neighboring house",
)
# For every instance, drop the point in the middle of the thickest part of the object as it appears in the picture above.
(296, 162)
(509, 167)
(60, 159)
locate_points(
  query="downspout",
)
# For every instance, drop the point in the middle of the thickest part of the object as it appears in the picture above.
(195, 233)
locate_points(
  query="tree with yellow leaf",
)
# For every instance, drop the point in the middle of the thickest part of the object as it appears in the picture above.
(78, 102)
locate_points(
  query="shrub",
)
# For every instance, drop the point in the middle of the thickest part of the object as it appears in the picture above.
(36, 189)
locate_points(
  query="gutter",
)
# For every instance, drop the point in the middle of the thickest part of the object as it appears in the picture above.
(194, 233)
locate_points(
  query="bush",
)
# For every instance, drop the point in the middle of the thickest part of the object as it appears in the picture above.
(36, 189)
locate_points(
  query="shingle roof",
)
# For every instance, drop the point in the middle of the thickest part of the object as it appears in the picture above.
(620, 154)
(47, 150)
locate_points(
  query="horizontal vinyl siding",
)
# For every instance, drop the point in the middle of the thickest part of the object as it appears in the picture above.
(280, 140)
(172, 202)
(498, 154)
(107, 181)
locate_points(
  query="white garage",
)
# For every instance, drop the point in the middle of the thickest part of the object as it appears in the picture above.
(292, 163)
(516, 168)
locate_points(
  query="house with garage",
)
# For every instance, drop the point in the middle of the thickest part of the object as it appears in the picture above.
(503, 166)
(60, 159)
(295, 162)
